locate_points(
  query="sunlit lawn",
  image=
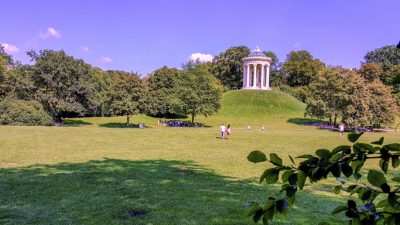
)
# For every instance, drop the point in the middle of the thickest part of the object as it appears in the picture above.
(89, 173)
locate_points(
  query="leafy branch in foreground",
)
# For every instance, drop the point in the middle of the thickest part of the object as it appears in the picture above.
(342, 161)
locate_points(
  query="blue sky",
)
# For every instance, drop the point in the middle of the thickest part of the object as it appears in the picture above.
(142, 36)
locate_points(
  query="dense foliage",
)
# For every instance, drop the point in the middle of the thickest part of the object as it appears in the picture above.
(69, 87)
(199, 92)
(358, 101)
(21, 112)
(380, 198)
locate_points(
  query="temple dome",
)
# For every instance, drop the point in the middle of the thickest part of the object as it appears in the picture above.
(257, 53)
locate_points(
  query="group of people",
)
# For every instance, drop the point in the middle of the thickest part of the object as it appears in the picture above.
(225, 131)
(177, 123)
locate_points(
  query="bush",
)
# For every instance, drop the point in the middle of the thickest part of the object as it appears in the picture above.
(21, 112)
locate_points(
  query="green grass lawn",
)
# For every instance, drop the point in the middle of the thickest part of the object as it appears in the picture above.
(90, 172)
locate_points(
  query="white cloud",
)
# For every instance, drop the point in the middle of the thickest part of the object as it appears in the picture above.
(105, 60)
(201, 57)
(85, 48)
(9, 48)
(50, 33)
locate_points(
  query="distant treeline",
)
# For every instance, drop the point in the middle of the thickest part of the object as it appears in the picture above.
(57, 85)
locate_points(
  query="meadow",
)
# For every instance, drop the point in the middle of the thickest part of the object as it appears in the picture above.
(91, 171)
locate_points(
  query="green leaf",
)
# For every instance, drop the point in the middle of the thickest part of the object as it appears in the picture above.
(285, 175)
(341, 148)
(271, 176)
(396, 179)
(281, 205)
(306, 156)
(353, 137)
(293, 179)
(339, 209)
(336, 189)
(351, 204)
(256, 157)
(392, 147)
(301, 179)
(384, 165)
(336, 170)
(347, 170)
(395, 161)
(365, 147)
(257, 215)
(323, 153)
(269, 212)
(378, 142)
(376, 178)
(382, 203)
(253, 209)
(274, 158)
(292, 160)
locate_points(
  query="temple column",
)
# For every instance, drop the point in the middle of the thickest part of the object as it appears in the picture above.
(255, 76)
(244, 76)
(248, 76)
(267, 81)
(262, 76)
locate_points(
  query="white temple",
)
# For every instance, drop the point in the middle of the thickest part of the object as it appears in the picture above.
(256, 71)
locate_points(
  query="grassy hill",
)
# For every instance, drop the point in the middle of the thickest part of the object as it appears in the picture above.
(260, 104)
(255, 107)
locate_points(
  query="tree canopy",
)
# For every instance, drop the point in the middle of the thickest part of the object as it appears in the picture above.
(301, 68)
(228, 66)
(60, 84)
(199, 91)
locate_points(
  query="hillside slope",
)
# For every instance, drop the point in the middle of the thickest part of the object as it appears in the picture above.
(259, 104)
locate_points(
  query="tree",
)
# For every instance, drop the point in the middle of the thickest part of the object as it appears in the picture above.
(228, 66)
(199, 92)
(326, 95)
(386, 56)
(22, 112)
(162, 92)
(380, 197)
(382, 105)
(127, 95)
(101, 82)
(277, 77)
(60, 86)
(371, 72)
(301, 68)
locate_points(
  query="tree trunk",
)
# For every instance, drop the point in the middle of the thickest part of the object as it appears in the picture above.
(193, 117)
(334, 120)
(330, 120)
(127, 119)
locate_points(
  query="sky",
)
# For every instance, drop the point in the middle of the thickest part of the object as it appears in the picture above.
(144, 35)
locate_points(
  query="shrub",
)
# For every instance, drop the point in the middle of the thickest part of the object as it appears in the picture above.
(379, 197)
(21, 112)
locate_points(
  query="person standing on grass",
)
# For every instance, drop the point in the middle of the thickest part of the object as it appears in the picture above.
(248, 127)
(341, 129)
(222, 131)
(228, 131)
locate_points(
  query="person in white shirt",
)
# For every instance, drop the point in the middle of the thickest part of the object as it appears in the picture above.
(222, 131)
(341, 129)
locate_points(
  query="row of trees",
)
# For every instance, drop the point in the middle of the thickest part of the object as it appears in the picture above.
(65, 87)
(369, 95)
(57, 85)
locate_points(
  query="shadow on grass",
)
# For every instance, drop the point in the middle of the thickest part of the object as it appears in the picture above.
(121, 125)
(115, 191)
(75, 123)
(302, 121)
